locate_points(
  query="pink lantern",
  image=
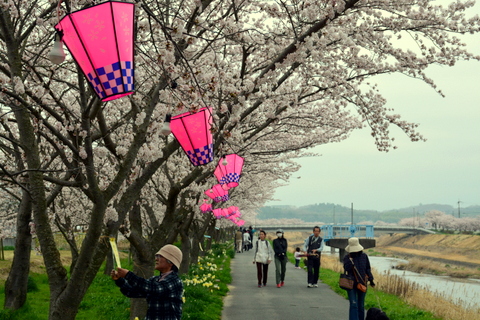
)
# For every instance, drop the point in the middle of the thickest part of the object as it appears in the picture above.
(232, 210)
(228, 170)
(205, 207)
(240, 223)
(101, 40)
(217, 193)
(192, 130)
(219, 213)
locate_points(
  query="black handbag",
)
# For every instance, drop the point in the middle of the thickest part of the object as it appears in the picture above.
(346, 281)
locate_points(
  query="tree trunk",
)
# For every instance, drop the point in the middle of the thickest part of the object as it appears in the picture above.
(144, 269)
(186, 247)
(16, 284)
(143, 262)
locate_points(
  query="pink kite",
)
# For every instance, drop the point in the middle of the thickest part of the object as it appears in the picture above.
(229, 170)
(101, 40)
(192, 130)
(217, 193)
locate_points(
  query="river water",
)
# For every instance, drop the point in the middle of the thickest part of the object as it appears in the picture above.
(465, 292)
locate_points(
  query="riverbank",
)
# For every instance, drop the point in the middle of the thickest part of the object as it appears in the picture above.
(438, 254)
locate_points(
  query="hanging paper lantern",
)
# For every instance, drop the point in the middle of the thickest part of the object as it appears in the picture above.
(232, 210)
(192, 130)
(219, 213)
(240, 223)
(217, 193)
(206, 207)
(101, 40)
(229, 170)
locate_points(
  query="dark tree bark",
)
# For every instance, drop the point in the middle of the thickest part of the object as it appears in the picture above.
(16, 284)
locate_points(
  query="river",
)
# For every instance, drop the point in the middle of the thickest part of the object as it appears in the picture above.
(464, 292)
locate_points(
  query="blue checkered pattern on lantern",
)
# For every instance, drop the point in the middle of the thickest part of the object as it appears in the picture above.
(230, 177)
(112, 79)
(201, 155)
(221, 199)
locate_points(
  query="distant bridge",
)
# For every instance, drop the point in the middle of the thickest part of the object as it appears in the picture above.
(343, 231)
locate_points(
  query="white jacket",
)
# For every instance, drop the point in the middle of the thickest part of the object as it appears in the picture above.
(263, 252)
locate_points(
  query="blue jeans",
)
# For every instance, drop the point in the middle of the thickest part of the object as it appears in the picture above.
(357, 304)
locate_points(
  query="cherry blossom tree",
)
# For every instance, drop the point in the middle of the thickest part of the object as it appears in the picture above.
(281, 77)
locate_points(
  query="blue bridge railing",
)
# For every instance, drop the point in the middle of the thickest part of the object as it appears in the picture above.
(347, 231)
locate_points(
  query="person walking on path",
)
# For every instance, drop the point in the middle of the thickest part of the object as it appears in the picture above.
(164, 292)
(262, 258)
(239, 240)
(356, 263)
(280, 248)
(297, 257)
(246, 240)
(313, 246)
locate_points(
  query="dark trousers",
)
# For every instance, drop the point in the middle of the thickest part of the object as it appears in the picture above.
(313, 269)
(262, 272)
(297, 262)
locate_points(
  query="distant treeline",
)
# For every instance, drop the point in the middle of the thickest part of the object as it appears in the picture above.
(325, 212)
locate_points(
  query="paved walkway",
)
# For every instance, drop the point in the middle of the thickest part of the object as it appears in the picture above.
(293, 301)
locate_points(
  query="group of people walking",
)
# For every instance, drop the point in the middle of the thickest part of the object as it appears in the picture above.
(355, 262)
(266, 253)
(243, 239)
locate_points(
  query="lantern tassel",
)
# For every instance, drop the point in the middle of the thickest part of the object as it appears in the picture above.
(166, 125)
(57, 55)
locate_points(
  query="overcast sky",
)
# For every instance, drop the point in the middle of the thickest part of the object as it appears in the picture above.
(445, 169)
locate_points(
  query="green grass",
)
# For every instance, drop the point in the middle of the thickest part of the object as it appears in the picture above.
(103, 300)
(394, 307)
(206, 284)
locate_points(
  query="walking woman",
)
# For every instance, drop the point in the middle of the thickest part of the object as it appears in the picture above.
(356, 263)
(280, 247)
(263, 256)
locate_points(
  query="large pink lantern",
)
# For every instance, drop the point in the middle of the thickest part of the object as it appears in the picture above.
(101, 40)
(192, 130)
(217, 193)
(229, 170)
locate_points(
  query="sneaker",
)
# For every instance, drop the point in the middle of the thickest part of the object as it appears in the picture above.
(264, 284)
(315, 285)
(259, 285)
(279, 286)
(310, 285)
(282, 284)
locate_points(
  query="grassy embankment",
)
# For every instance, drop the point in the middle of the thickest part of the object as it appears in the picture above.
(205, 285)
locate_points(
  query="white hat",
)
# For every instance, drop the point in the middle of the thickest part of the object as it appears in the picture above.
(353, 245)
(172, 253)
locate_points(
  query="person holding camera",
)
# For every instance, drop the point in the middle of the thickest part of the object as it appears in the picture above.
(164, 292)
(280, 248)
(313, 246)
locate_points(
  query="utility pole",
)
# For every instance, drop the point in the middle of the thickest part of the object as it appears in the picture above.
(459, 208)
(414, 218)
(334, 223)
(352, 214)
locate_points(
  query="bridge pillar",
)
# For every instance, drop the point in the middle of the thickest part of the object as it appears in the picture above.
(341, 244)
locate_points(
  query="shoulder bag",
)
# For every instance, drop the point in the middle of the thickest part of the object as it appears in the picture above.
(346, 281)
(362, 286)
